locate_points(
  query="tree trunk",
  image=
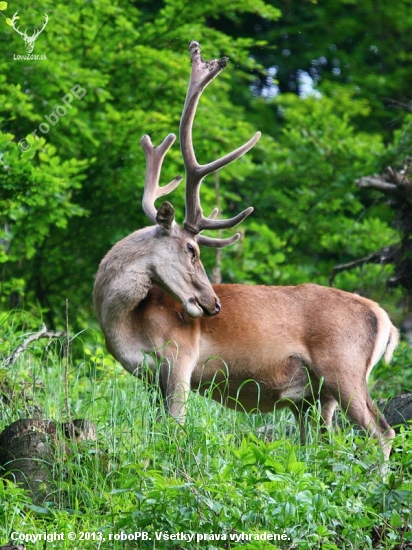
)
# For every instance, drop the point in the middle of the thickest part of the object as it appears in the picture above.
(397, 410)
(30, 448)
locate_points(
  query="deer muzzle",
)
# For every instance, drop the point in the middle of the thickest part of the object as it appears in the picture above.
(197, 307)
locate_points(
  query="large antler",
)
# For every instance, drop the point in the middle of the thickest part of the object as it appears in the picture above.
(203, 72)
(154, 160)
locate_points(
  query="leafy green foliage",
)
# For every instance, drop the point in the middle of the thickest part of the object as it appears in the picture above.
(34, 198)
(396, 378)
(67, 198)
(314, 218)
(133, 65)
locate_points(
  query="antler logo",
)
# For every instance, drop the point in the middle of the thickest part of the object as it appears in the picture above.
(29, 40)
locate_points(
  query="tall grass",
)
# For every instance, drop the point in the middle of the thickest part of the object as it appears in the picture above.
(222, 473)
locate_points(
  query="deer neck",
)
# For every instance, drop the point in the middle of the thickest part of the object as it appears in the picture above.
(124, 277)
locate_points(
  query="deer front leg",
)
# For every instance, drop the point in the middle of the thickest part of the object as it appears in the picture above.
(175, 373)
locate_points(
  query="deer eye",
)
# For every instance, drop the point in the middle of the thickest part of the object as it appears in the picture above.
(191, 250)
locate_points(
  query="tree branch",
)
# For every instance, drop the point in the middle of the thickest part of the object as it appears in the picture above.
(391, 182)
(43, 333)
(384, 256)
(377, 183)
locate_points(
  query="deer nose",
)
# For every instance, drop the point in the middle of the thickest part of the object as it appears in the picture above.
(218, 307)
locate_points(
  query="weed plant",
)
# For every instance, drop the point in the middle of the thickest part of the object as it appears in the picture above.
(229, 479)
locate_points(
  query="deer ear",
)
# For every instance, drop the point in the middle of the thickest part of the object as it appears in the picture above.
(165, 216)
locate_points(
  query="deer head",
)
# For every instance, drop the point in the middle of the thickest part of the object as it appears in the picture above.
(29, 40)
(177, 266)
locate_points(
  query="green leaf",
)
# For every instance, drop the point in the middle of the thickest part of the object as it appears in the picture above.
(40, 510)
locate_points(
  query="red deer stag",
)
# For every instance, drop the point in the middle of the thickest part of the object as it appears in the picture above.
(255, 346)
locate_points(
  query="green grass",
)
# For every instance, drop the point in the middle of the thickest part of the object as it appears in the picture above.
(216, 475)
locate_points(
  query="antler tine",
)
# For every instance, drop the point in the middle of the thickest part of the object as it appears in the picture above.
(154, 159)
(217, 242)
(202, 73)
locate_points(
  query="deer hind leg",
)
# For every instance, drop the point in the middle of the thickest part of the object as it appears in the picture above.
(362, 411)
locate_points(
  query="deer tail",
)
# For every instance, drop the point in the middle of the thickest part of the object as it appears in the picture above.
(392, 343)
